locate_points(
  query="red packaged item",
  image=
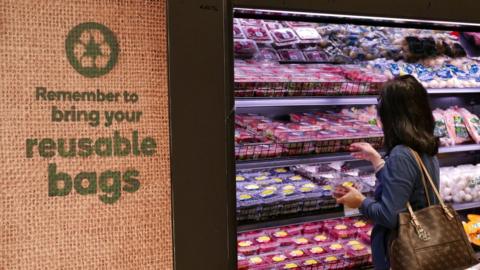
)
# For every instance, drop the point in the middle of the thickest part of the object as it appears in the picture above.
(244, 48)
(257, 33)
(316, 56)
(247, 248)
(284, 36)
(298, 24)
(291, 55)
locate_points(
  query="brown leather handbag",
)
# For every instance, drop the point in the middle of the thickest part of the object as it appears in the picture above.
(431, 238)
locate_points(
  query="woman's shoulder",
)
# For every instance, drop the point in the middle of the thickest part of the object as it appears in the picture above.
(401, 151)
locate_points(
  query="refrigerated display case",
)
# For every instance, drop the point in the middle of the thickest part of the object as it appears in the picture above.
(204, 97)
(305, 88)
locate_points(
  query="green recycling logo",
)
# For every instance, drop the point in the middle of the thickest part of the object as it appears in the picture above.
(92, 49)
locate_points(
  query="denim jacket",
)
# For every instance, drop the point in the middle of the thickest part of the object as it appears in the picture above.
(398, 181)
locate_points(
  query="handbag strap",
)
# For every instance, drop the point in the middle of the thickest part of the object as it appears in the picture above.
(425, 189)
(432, 185)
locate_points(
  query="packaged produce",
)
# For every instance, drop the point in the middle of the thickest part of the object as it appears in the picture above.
(244, 48)
(472, 122)
(237, 32)
(456, 122)
(284, 36)
(441, 128)
(247, 248)
(257, 33)
(307, 34)
(460, 184)
(293, 55)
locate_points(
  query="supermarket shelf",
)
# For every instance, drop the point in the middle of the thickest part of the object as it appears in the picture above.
(466, 206)
(303, 101)
(459, 148)
(336, 213)
(339, 213)
(332, 157)
(454, 91)
(291, 161)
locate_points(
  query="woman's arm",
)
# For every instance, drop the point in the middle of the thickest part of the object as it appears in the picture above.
(397, 178)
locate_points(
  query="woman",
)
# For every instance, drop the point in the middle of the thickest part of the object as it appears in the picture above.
(407, 122)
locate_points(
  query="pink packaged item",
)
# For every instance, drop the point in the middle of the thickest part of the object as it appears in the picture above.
(298, 24)
(322, 238)
(256, 262)
(358, 252)
(284, 36)
(342, 231)
(456, 122)
(472, 122)
(316, 250)
(257, 33)
(237, 32)
(300, 240)
(294, 230)
(244, 48)
(291, 55)
(316, 56)
(273, 25)
(312, 228)
(242, 262)
(251, 22)
(269, 246)
(247, 248)
(283, 238)
(295, 253)
(442, 130)
(268, 54)
(276, 257)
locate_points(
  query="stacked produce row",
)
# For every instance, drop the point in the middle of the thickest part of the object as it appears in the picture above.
(330, 244)
(266, 194)
(258, 136)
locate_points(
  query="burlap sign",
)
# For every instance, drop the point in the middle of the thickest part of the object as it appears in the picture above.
(84, 135)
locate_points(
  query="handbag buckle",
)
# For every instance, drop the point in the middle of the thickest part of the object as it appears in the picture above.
(421, 232)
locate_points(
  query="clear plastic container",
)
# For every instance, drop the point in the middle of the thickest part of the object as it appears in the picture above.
(316, 250)
(292, 55)
(282, 237)
(322, 238)
(247, 248)
(242, 262)
(336, 247)
(269, 247)
(342, 231)
(358, 252)
(257, 33)
(307, 34)
(256, 262)
(312, 228)
(295, 253)
(244, 48)
(301, 240)
(284, 36)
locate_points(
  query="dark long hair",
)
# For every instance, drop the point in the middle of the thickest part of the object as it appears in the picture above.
(406, 116)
